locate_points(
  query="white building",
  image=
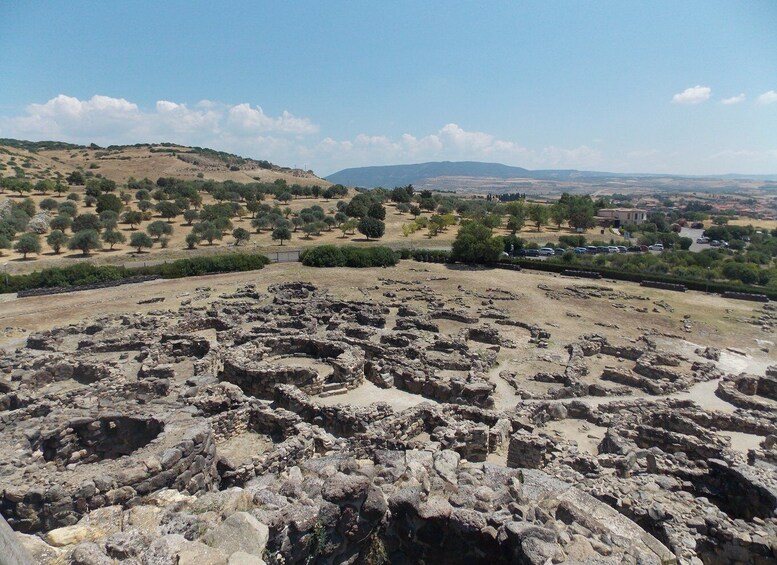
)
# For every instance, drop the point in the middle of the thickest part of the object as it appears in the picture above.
(619, 216)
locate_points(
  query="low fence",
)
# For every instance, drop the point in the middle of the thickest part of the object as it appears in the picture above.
(581, 274)
(746, 296)
(93, 286)
(664, 285)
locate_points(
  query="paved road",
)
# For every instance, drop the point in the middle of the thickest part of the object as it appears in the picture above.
(694, 235)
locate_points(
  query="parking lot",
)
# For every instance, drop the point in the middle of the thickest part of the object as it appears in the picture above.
(694, 235)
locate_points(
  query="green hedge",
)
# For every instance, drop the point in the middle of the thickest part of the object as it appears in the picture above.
(87, 273)
(346, 256)
(196, 266)
(431, 255)
(436, 256)
(692, 284)
(73, 275)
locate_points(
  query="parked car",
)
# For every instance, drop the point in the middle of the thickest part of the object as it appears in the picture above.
(545, 251)
(592, 249)
(559, 251)
(603, 249)
(715, 243)
(702, 240)
(635, 249)
(532, 253)
(697, 226)
(656, 247)
(644, 248)
(581, 250)
(622, 249)
(613, 249)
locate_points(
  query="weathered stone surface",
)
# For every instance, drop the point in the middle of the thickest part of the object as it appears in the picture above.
(239, 532)
(243, 558)
(202, 436)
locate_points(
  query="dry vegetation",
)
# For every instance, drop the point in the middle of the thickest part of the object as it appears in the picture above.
(121, 164)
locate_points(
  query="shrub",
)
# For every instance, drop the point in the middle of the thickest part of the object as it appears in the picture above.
(139, 240)
(68, 208)
(357, 257)
(88, 273)
(281, 234)
(192, 240)
(323, 256)
(204, 265)
(241, 235)
(86, 222)
(28, 243)
(61, 223)
(85, 240)
(371, 227)
(369, 257)
(109, 202)
(572, 240)
(57, 240)
(475, 244)
(113, 236)
(49, 204)
(745, 272)
(159, 228)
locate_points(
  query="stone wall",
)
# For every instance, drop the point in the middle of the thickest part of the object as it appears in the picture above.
(529, 451)
(744, 391)
(186, 464)
(246, 365)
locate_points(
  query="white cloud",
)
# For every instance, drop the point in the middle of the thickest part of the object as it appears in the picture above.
(251, 120)
(106, 120)
(285, 139)
(693, 95)
(65, 115)
(734, 99)
(451, 142)
(769, 97)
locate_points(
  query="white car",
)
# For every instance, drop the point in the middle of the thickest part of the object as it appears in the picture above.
(656, 247)
(613, 249)
(547, 251)
(703, 240)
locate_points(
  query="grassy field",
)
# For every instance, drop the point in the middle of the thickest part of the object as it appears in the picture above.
(763, 224)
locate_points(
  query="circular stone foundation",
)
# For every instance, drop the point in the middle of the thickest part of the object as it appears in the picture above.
(258, 366)
(86, 440)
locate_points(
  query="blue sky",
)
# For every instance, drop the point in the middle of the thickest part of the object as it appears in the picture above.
(683, 87)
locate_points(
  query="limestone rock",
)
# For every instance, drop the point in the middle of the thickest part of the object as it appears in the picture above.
(240, 532)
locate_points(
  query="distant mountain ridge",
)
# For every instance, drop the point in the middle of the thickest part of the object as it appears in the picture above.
(389, 176)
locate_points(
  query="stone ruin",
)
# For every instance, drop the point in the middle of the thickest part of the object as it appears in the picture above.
(202, 436)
